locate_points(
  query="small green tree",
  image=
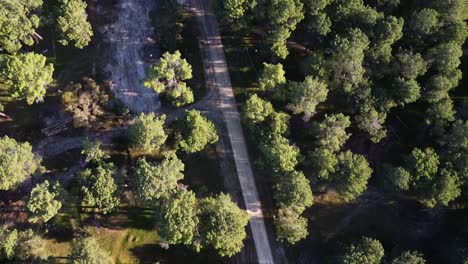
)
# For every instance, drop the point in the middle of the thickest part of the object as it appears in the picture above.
(27, 76)
(8, 242)
(233, 12)
(282, 18)
(179, 218)
(87, 250)
(290, 226)
(19, 246)
(424, 22)
(98, 187)
(352, 175)
(43, 202)
(256, 109)
(409, 257)
(17, 162)
(222, 224)
(279, 155)
(292, 190)
(331, 132)
(322, 164)
(346, 63)
(18, 23)
(423, 165)
(307, 95)
(196, 131)
(147, 133)
(367, 250)
(73, 23)
(155, 181)
(93, 152)
(167, 76)
(272, 76)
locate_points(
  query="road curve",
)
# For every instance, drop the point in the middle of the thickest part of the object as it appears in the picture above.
(216, 61)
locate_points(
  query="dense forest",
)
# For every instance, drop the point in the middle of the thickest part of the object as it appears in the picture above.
(355, 97)
(116, 144)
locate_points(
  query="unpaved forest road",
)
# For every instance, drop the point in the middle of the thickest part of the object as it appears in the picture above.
(216, 60)
(127, 38)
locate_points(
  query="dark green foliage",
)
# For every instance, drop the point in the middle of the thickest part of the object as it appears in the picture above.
(290, 226)
(367, 250)
(352, 175)
(98, 187)
(43, 202)
(17, 162)
(409, 257)
(292, 190)
(18, 23)
(167, 76)
(27, 76)
(179, 218)
(86, 250)
(155, 181)
(73, 23)
(222, 225)
(279, 154)
(196, 131)
(147, 133)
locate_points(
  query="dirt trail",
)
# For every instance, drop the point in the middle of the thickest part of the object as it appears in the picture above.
(127, 37)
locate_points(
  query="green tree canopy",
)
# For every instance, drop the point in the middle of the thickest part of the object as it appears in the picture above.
(86, 250)
(17, 162)
(305, 96)
(73, 23)
(346, 63)
(43, 202)
(322, 162)
(147, 133)
(196, 131)
(317, 19)
(272, 76)
(233, 12)
(93, 152)
(86, 101)
(18, 23)
(154, 181)
(279, 154)
(27, 75)
(424, 22)
(292, 190)
(367, 250)
(167, 76)
(409, 257)
(282, 18)
(423, 165)
(19, 246)
(98, 187)
(408, 65)
(352, 175)
(290, 226)
(222, 224)
(179, 218)
(331, 132)
(256, 109)
(455, 147)
(371, 121)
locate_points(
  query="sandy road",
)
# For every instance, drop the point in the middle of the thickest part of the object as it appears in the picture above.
(215, 58)
(127, 37)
